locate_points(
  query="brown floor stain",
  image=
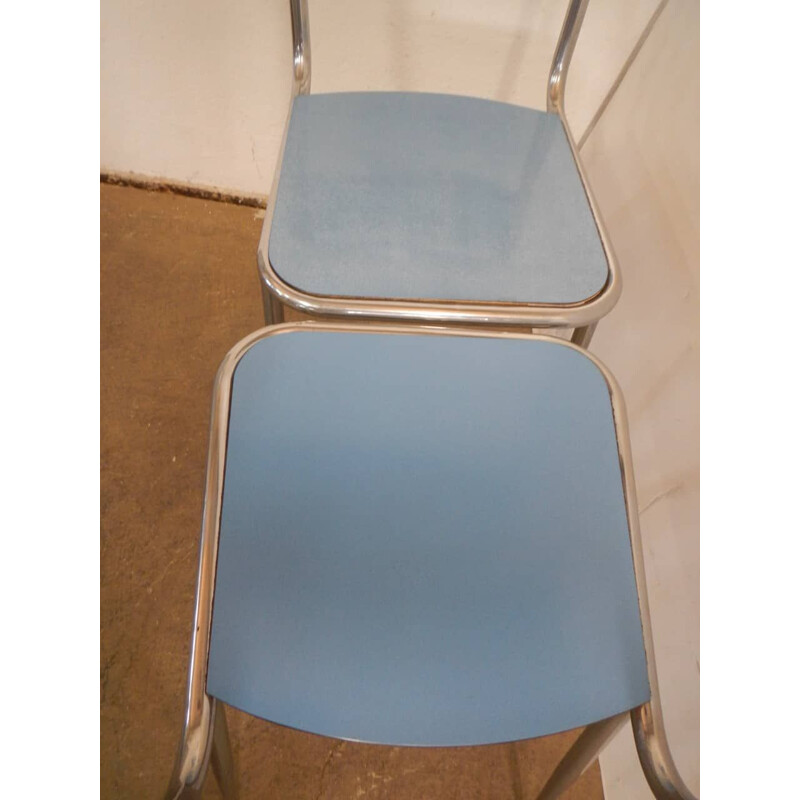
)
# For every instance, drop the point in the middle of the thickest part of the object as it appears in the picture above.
(179, 287)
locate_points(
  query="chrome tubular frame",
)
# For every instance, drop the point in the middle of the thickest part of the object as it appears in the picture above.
(204, 739)
(582, 316)
(565, 47)
(581, 756)
(301, 47)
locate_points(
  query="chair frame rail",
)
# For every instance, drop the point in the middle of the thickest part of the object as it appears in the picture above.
(582, 316)
(205, 740)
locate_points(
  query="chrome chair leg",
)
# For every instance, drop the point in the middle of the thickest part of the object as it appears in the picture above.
(195, 752)
(651, 745)
(222, 756)
(273, 308)
(187, 793)
(582, 336)
(581, 755)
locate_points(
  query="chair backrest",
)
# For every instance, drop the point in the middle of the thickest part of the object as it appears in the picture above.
(556, 84)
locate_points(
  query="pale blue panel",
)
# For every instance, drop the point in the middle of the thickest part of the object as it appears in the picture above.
(405, 195)
(424, 541)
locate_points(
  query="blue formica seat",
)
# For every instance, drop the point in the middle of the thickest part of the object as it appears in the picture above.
(417, 538)
(412, 195)
(424, 541)
(417, 207)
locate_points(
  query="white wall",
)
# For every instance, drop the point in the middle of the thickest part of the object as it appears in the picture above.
(643, 161)
(197, 91)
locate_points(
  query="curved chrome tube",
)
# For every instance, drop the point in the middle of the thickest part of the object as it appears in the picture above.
(651, 744)
(199, 727)
(301, 47)
(191, 764)
(556, 85)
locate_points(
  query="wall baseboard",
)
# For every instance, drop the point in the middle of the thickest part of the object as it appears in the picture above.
(151, 184)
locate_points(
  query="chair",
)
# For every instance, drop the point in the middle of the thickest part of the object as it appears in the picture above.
(420, 537)
(427, 208)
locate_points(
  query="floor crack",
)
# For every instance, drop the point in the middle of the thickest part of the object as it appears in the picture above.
(323, 772)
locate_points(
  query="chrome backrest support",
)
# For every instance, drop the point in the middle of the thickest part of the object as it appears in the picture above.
(576, 10)
(301, 47)
(556, 85)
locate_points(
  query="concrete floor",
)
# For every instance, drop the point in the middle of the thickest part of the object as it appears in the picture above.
(179, 287)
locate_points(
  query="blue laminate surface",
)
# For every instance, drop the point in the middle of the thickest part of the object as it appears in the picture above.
(424, 541)
(410, 195)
